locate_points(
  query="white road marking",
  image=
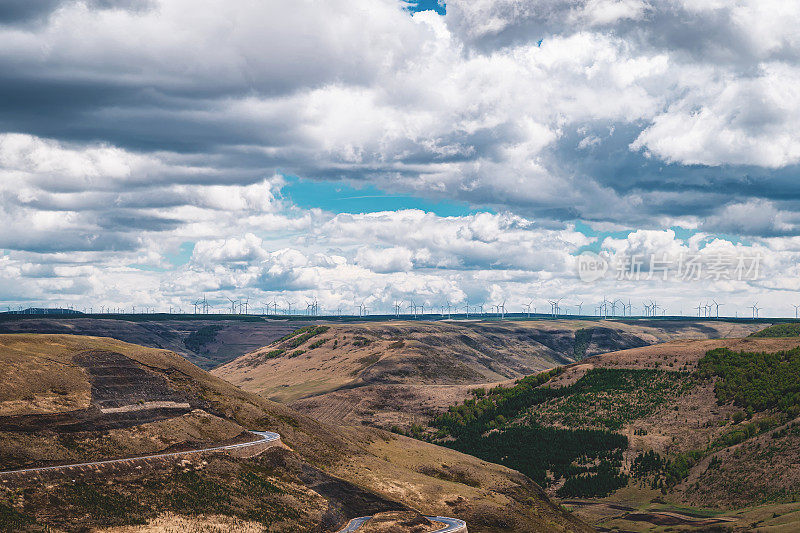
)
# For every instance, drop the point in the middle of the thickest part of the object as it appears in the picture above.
(452, 525)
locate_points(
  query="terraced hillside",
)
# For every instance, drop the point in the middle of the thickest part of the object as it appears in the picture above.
(404, 373)
(691, 434)
(115, 399)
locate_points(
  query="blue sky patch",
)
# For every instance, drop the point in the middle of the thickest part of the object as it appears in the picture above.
(426, 5)
(340, 197)
(182, 255)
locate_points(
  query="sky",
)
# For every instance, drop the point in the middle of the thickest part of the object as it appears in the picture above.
(153, 152)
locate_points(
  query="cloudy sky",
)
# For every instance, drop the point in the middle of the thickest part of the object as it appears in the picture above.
(155, 151)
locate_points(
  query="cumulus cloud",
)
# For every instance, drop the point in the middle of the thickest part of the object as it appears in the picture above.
(130, 128)
(257, 86)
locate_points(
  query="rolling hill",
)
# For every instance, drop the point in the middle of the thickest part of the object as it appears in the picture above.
(402, 373)
(204, 340)
(691, 434)
(67, 398)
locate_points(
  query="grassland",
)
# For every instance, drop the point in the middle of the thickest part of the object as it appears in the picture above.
(329, 473)
(231, 336)
(687, 435)
(388, 374)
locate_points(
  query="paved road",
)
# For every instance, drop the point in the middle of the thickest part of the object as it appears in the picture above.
(452, 525)
(266, 436)
(354, 524)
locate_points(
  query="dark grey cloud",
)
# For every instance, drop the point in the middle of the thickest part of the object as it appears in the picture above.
(136, 221)
(242, 95)
(48, 242)
(21, 11)
(14, 12)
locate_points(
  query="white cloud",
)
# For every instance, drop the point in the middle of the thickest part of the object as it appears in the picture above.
(543, 111)
(755, 217)
(748, 121)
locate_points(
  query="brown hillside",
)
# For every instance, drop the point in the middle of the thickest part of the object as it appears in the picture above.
(71, 398)
(752, 482)
(398, 373)
(231, 338)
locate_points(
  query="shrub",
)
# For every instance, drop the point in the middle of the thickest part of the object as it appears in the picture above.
(779, 330)
(755, 381)
(197, 340)
(317, 344)
(360, 341)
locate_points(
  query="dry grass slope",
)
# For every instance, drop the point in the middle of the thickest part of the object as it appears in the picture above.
(329, 474)
(402, 373)
(755, 482)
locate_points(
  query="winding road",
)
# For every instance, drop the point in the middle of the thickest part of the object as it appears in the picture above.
(266, 436)
(451, 525)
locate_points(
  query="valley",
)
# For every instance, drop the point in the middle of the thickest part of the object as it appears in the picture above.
(630, 425)
(403, 373)
(324, 475)
(204, 340)
(688, 433)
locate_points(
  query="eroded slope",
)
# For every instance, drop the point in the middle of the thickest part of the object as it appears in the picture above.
(402, 373)
(328, 474)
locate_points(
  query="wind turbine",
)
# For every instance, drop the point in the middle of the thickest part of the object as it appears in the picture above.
(555, 307)
(796, 307)
(717, 306)
(655, 307)
(604, 308)
(528, 308)
(755, 309)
